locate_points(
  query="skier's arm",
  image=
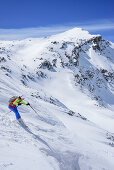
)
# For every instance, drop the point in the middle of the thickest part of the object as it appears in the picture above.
(23, 102)
(16, 102)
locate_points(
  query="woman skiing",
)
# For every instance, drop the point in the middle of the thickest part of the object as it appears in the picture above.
(14, 102)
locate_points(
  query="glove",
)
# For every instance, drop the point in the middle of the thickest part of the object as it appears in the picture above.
(19, 104)
(28, 104)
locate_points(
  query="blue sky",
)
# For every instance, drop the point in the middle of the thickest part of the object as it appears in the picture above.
(24, 18)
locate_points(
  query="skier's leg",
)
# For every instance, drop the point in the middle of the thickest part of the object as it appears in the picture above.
(17, 113)
(14, 109)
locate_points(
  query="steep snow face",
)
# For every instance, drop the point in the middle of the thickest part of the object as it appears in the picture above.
(68, 79)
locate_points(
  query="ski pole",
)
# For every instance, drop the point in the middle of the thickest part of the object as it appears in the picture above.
(33, 109)
(9, 111)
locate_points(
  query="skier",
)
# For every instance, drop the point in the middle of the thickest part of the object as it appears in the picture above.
(13, 103)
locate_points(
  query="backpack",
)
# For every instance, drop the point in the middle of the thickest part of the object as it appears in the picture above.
(12, 99)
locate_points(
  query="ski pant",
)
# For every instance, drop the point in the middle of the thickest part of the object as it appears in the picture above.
(14, 109)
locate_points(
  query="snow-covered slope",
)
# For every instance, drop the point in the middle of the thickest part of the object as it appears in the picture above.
(68, 79)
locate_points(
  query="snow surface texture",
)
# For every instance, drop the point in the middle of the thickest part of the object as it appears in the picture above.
(68, 79)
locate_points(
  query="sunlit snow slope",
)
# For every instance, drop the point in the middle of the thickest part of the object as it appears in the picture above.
(69, 80)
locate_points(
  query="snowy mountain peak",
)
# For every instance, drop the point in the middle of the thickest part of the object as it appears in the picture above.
(68, 80)
(75, 34)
